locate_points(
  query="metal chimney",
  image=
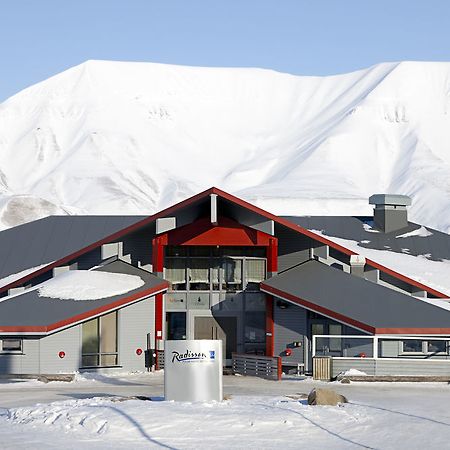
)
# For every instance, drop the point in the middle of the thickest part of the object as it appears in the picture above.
(390, 212)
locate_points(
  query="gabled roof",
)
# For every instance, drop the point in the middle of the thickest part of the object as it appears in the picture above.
(31, 314)
(413, 240)
(356, 301)
(23, 249)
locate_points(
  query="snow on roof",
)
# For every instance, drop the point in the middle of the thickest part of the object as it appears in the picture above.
(23, 273)
(435, 274)
(420, 232)
(89, 285)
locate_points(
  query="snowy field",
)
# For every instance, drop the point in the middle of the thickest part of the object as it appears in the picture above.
(98, 414)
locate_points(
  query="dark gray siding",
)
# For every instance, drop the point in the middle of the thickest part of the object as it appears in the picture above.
(293, 247)
(290, 326)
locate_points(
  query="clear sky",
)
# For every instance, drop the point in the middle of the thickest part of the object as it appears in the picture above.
(39, 38)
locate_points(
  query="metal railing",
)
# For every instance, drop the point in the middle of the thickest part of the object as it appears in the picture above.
(257, 366)
(381, 347)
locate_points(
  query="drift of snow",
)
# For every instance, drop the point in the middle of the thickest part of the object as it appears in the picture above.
(89, 285)
(434, 274)
(292, 145)
(421, 232)
(263, 422)
(354, 372)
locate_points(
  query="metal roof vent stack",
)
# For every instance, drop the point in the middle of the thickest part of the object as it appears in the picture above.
(390, 213)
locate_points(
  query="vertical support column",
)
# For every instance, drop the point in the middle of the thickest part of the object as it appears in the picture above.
(214, 215)
(270, 327)
(158, 268)
(272, 257)
(272, 268)
(375, 347)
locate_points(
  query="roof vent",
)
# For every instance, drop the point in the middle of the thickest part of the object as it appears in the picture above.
(390, 212)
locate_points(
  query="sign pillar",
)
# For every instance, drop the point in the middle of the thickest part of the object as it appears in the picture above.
(193, 370)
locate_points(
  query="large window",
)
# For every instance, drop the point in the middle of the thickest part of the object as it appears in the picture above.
(228, 269)
(99, 341)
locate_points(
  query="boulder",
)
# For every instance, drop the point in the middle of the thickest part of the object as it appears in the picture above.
(322, 396)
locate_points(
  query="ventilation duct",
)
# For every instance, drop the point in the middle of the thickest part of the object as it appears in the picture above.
(390, 213)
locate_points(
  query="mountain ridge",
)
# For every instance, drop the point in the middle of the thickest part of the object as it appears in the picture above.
(108, 137)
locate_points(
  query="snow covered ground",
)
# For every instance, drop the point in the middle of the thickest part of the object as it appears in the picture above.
(95, 414)
(110, 137)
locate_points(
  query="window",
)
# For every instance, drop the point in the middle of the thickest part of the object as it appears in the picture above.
(232, 274)
(176, 273)
(412, 346)
(99, 341)
(175, 325)
(335, 343)
(255, 327)
(425, 347)
(437, 347)
(12, 345)
(255, 273)
(199, 274)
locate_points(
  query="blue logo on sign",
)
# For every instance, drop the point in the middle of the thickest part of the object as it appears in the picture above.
(212, 354)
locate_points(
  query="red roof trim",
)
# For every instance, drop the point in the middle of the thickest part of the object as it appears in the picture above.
(309, 305)
(107, 239)
(86, 315)
(413, 331)
(239, 202)
(326, 241)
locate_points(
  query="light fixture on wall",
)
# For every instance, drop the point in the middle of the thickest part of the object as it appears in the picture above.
(282, 305)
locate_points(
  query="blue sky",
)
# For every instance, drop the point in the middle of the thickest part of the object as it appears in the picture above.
(39, 38)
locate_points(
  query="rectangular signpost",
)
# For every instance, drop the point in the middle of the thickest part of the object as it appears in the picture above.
(193, 370)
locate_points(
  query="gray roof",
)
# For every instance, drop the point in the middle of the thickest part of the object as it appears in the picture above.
(30, 310)
(347, 296)
(436, 246)
(52, 238)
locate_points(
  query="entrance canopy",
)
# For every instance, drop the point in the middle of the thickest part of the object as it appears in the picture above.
(357, 302)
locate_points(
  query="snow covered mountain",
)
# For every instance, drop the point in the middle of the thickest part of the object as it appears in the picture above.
(116, 138)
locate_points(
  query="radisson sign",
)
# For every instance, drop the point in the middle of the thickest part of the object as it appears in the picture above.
(193, 370)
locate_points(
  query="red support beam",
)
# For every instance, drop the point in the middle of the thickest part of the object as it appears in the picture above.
(270, 328)
(158, 268)
(272, 256)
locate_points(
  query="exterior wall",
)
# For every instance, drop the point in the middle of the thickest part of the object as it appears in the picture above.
(293, 248)
(23, 363)
(290, 325)
(139, 246)
(392, 367)
(68, 341)
(135, 321)
(90, 259)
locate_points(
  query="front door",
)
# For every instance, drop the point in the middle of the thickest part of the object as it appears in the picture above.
(222, 328)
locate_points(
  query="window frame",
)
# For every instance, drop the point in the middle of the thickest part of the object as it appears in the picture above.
(12, 351)
(424, 350)
(216, 262)
(99, 354)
